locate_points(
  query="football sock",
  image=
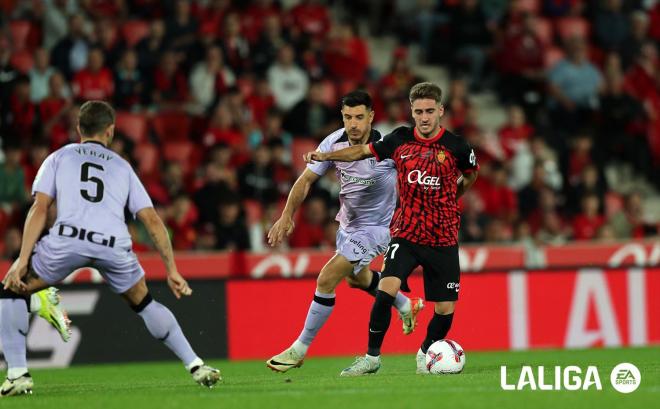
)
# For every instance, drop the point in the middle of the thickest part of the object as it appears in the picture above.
(379, 322)
(437, 329)
(319, 311)
(162, 325)
(14, 324)
(401, 302)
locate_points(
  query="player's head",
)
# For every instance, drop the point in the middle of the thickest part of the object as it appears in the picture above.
(427, 110)
(96, 120)
(357, 114)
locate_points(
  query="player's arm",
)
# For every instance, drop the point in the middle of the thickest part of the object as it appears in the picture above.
(34, 225)
(350, 154)
(283, 227)
(161, 240)
(465, 182)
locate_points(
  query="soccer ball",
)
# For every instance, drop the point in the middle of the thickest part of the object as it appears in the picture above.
(445, 356)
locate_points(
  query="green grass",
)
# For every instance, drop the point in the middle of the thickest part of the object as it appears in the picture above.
(317, 385)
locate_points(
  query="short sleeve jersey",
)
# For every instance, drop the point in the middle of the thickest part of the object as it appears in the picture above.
(428, 171)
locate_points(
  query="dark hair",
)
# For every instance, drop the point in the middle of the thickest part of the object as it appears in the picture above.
(425, 90)
(357, 98)
(95, 117)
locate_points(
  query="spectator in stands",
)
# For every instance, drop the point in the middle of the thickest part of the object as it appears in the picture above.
(107, 39)
(311, 117)
(181, 222)
(22, 122)
(579, 157)
(181, 28)
(8, 75)
(170, 87)
(70, 54)
(55, 24)
(256, 177)
(53, 111)
(638, 35)
(591, 182)
(95, 81)
(171, 185)
(220, 181)
(209, 79)
(470, 40)
(12, 244)
(394, 117)
(222, 129)
(12, 179)
(231, 232)
(346, 54)
(574, 84)
(261, 101)
(528, 197)
(516, 131)
(271, 39)
(40, 75)
(310, 18)
(587, 223)
(150, 48)
(458, 104)
(272, 130)
(473, 219)
(627, 223)
(309, 230)
(38, 153)
(552, 230)
(500, 201)
(288, 82)
(235, 47)
(283, 173)
(611, 26)
(254, 18)
(396, 83)
(129, 83)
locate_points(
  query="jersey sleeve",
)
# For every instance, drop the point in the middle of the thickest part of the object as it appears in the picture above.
(44, 182)
(138, 198)
(467, 160)
(384, 149)
(320, 168)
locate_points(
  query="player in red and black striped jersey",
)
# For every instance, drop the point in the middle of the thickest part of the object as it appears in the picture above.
(434, 167)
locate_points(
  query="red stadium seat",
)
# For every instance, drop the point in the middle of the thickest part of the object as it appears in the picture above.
(298, 148)
(172, 126)
(133, 31)
(183, 152)
(133, 125)
(147, 157)
(22, 61)
(572, 27)
(544, 30)
(19, 31)
(552, 56)
(253, 211)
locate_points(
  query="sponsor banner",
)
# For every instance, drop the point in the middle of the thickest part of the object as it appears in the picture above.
(105, 329)
(301, 263)
(508, 310)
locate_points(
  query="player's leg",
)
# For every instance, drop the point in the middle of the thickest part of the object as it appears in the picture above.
(334, 271)
(400, 261)
(367, 280)
(163, 326)
(441, 285)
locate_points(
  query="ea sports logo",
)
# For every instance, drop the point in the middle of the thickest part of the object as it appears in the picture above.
(625, 377)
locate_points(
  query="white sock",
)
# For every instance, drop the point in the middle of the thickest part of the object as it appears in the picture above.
(402, 303)
(372, 358)
(196, 362)
(13, 373)
(35, 303)
(299, 347)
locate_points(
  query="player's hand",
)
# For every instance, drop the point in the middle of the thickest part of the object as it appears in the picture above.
(282, 228)
(178, 285)
(14, 278)
(314, 156)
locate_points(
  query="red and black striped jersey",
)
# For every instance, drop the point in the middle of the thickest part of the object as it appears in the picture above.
(428, 171)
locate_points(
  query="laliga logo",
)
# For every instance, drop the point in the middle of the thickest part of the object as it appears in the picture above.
(625, 378)
(419, 177)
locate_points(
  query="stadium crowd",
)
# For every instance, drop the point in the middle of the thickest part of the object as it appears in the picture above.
(217, 100)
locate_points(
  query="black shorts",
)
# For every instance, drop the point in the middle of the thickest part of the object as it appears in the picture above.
(440, 265)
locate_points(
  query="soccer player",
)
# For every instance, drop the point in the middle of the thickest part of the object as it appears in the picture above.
(429, 160)
(92, 185)
(368, 199)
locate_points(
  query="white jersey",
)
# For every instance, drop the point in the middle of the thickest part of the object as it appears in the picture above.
(368, 188)
(92, 186)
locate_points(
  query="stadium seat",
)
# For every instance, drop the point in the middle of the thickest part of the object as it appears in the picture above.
(298, 148)
(572, 27)
(147, 157)
(544, 30)
(22, 61)
(133, 125)
(183, 152)
(133, 31)
(19, 31)
(172, 126)
(552, 56)
(253, 211)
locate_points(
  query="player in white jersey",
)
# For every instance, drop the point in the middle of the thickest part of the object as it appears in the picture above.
(92, 185)
(368, 200)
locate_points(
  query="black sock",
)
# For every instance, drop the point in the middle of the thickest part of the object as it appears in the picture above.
(437, 329)
(381, 314)
(373, 286)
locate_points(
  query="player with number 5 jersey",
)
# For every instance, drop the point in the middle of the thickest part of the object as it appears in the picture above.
(434, 168)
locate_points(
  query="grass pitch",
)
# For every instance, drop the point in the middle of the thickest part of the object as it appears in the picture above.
(316, 385)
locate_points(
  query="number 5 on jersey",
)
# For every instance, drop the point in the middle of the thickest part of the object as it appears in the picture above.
(85, 177)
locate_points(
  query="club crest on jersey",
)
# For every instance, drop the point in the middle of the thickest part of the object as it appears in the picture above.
(441, 156)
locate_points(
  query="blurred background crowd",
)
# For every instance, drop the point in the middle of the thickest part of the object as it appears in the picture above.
(218, 99)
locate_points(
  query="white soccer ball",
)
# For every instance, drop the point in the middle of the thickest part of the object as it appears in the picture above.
(445, 356)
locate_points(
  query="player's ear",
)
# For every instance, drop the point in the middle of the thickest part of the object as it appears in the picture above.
(371, 116)
(80, 135)
(441, 109)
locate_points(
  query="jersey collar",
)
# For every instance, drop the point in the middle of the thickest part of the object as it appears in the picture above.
(431, 140)
(96, 142)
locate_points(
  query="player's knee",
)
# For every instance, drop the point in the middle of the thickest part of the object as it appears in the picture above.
(142, 304)
(390, 285)
(326, 282)
(444, 307)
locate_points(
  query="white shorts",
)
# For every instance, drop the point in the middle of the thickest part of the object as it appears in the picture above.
(362, 246)
(54, 258)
